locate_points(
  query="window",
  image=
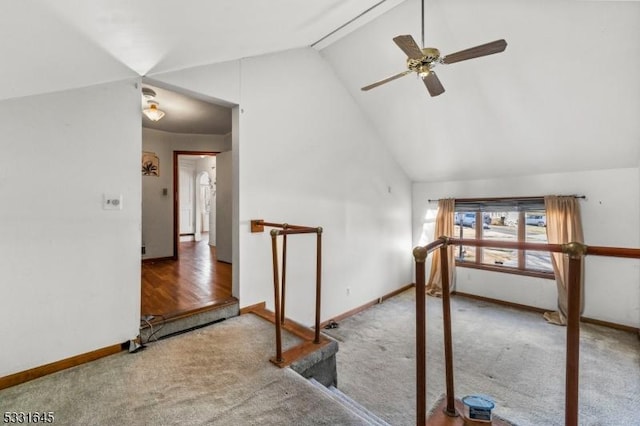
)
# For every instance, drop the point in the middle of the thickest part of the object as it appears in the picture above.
(512, 220)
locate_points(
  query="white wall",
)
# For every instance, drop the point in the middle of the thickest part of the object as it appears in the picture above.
(306, 155)
(70, 271)
(157, 209)
(610, 215)
(234, 138)
(224, 216)
(219, 81)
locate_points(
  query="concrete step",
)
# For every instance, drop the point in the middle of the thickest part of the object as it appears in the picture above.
(344, 400)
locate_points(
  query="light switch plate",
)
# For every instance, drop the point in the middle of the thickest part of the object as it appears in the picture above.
(111, 202)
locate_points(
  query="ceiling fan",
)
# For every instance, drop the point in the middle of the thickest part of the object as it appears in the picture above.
(422, 61)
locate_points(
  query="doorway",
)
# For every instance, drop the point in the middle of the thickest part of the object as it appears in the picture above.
(186, 199)
(181, 277)
(194, 203)
(196, 189)
(194, 278)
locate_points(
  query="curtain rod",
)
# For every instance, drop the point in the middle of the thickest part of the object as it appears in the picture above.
(475, 200)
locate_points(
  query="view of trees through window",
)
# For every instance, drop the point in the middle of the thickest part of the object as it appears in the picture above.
(515, 224)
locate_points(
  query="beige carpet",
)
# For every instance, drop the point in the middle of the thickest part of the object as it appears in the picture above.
(218, 375)
(516, 357)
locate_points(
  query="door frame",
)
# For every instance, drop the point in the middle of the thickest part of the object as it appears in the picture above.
(176, 195)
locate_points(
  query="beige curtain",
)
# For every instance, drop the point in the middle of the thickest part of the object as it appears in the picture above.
(444, 227)
(564, 225)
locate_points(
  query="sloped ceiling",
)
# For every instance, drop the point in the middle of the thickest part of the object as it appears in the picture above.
(565, 95)
(50, 45)
(187, 114)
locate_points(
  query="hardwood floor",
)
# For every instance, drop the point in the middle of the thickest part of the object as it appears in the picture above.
(195, 281)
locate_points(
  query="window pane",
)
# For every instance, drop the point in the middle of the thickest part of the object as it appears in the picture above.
(504, 227)
(536, 232)
(505, 220)
(467, 230)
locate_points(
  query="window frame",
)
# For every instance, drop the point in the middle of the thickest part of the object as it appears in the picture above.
(509, 204)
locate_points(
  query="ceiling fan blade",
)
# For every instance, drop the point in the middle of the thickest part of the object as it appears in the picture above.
(408, 46)
(433, 84)
(386, 80)
(474, 52)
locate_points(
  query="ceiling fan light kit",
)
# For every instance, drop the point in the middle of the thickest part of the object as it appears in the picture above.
(422, 61)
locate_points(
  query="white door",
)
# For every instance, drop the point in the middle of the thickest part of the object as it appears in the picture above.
(186, 200)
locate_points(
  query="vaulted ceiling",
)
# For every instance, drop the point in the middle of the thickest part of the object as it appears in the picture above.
(50, 45)
(565, 95)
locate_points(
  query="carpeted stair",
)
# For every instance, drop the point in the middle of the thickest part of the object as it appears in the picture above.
(351, 405)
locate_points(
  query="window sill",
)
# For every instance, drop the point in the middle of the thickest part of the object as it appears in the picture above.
(507, 270)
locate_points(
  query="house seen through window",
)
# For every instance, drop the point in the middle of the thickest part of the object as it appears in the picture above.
(503, 220)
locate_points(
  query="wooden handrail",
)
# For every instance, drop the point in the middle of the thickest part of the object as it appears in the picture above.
(556, 248)
(623, 252)
(614, 252)
(285, 225)
(292, 231)
(257, 225)
(279, 280)
(575, 252)
(434, 245)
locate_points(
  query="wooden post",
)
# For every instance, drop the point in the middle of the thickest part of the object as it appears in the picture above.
(318, 282)
(276, 294)
(574, 296)
(420, 255)
(450, 410)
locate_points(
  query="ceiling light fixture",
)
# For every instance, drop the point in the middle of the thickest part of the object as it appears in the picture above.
(152, 112)
(148, 93)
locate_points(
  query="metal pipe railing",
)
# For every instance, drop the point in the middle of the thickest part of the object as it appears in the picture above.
(575, 252)
(276, 294)
(284, 274)
(257, 225)
(279, 280)
(316, 339)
